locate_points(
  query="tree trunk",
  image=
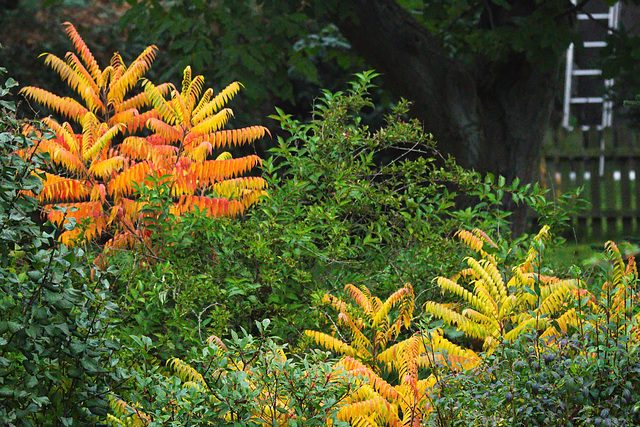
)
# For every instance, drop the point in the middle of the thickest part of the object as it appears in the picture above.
(491, 116)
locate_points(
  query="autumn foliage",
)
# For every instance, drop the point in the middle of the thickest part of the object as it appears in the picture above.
(121, 132)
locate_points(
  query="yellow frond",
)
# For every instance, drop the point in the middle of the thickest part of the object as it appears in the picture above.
(439, 350)
(557, 297)
(142, 100)
(68, 107)
(201, 152)
(483, 294)
(130, 77)
(490, 323)
(167, 114)
(83, 51)
(237, 187)
(212, 123)
(72, 78)
(90, 128)
(483, 270)
(186, 80)
(531, 260)
(56, 188)
(528, 325)
(88, 90)
(135, 417)
(105, 168)
(507, 306)
(569, 319)
(237, 136)
(614, 255)
(358, 339)
(99, 193)
(136, 148)
(123, 183)
(206, 97)
(185, 372)
(224, 156)
(124, 117)
(455, 288)
(65, 134)
(382, 387)
(170, 133)
(179, 106)
(192, 94)
(103, 141)
(203, 111)
(359, 296)
(210, 206)
(215, 171)
(405, 298)
(61, 156)
(252, 197)
(471, 239)
(364, 413)
(452, 317)
(331, 343)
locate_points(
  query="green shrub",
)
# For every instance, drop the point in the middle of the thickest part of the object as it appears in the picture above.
(523, 385)
(166, 287)
(55, 355)
(346, 205)
(243, 381)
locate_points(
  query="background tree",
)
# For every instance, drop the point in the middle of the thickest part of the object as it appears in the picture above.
(482, 74)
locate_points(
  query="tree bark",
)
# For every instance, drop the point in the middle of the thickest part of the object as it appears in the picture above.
(491, 116)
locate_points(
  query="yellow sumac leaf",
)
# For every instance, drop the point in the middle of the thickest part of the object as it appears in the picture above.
(123, 183)
(103, 141)
(68, 107)
(213, 123)
(168, 132)
(381, 386)
(108, 167)
(57, 188)
(83, 51)
(128, 79)
(331, 343)
(206, 108)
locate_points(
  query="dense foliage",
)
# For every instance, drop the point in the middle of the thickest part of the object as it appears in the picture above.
(57, 359)
(180, 334)
(126, 136)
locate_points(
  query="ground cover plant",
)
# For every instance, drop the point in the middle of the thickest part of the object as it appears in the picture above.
(578, 371)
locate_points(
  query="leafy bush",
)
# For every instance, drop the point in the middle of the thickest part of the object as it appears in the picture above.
(345, 205)
(587, 375)
(56, 360)
(172, 296)
(243, 381)
(499, 307)
(400, 374)
(95, 169)
(521, 384)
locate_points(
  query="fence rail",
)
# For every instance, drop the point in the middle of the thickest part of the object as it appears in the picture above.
(607, 164)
